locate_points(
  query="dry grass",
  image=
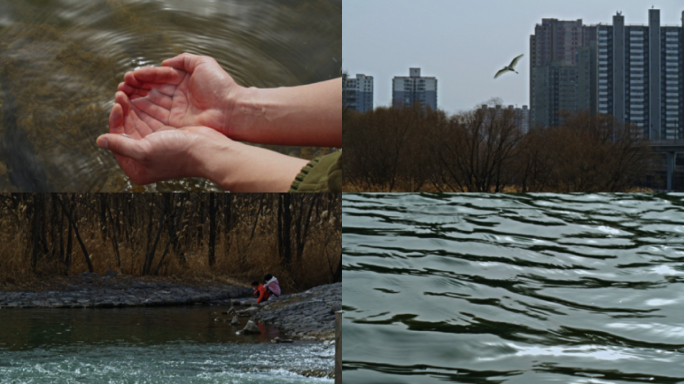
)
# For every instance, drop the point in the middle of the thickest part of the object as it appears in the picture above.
(401, 186)
(51, 283)
(239, 257)
(430, 188)
(239, 266)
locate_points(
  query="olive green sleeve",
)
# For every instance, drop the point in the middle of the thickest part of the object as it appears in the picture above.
(322, 174)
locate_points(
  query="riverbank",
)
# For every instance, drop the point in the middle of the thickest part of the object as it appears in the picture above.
(304, 315)
(90, 290)
(405, 186)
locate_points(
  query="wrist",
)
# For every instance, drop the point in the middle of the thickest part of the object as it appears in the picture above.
(243, 111)
(239, 167)
(211, 160)
(306, 115)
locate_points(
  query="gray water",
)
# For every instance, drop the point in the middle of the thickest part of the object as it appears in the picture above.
(61, 61)
(494, 288)
(148, 345)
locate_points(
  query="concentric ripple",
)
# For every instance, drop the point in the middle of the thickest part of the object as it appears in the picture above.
(481, 288)
(61, 62)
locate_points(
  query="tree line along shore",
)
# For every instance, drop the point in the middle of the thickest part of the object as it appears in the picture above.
(412, 149)
(209, 239)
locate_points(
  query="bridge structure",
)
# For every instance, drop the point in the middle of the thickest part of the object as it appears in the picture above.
(670, 148)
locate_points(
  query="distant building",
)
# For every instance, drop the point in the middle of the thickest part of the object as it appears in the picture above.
(522, 115)
(641, 75)
(632, 72)
(562, 65)
(414, 89)
(358, 93)
(523, 118)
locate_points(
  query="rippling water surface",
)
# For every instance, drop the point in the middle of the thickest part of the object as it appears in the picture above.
(148, 345)
(509, 288)
(61, 60)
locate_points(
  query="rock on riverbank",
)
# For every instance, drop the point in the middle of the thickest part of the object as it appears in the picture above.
(93, 290)
(307, 315)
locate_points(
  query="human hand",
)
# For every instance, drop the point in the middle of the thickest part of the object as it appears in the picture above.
(148, 151)
(187, 90)
(191, 90)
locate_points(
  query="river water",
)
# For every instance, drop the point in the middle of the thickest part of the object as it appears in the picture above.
(514, 288)
(148, 345)
(61, 61)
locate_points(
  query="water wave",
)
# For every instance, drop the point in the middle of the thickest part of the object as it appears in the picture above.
(513, 288)
(149, 345)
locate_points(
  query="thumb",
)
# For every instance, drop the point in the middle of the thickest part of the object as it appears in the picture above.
(122, 145)
(185, 61)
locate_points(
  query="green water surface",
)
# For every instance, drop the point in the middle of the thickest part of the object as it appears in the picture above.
(61, 61)
(149, 345)
(509, 288)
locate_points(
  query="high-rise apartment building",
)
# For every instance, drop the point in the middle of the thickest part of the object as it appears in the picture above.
(632, 72)
(358, 93)
(561, 70)
(641, 75)
(414, 89)
(556, 41)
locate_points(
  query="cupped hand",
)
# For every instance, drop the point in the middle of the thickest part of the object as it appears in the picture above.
(149, 151)
(187, 90)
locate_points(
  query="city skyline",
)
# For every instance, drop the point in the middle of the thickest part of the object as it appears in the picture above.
(464, 44)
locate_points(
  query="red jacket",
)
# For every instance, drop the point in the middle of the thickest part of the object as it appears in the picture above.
(263, 294)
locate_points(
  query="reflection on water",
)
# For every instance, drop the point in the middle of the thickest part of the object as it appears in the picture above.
(61, 60)
(148, 345)
(481, 288)
(48, 328)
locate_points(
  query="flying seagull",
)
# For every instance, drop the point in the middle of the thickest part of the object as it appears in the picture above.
(510, 67)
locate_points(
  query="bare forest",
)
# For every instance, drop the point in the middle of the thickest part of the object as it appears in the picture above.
(201, 238)
(483, 150)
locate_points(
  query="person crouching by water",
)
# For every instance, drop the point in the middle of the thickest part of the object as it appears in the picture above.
(261, 291)
(272, 285)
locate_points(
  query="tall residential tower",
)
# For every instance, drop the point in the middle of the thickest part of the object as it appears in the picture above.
(640, 75)
(414, 89)
(562, 66)
(632, 72)
(358, 93)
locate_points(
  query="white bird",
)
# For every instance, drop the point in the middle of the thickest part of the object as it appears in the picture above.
(510, 67)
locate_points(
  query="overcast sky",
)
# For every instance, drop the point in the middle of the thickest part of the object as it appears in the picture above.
(464, 43)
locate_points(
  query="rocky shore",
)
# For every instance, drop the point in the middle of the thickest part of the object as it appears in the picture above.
(93, 290)
(305, 315)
